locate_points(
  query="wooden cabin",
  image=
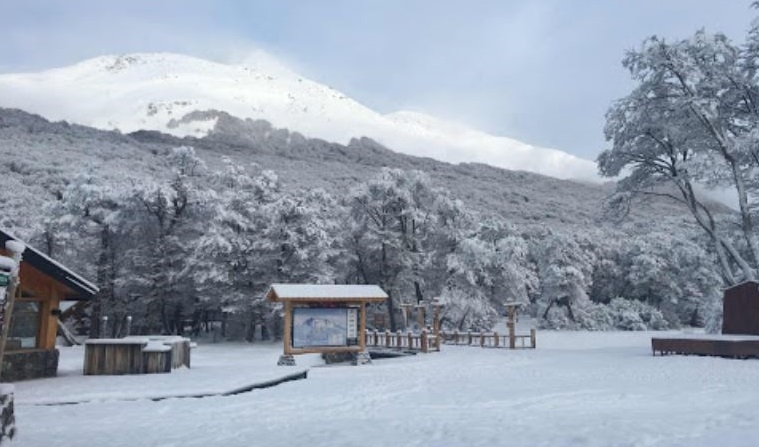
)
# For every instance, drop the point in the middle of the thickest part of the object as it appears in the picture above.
(30, 349)
(324, 318)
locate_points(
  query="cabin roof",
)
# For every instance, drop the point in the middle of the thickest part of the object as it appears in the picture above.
(325, 292)
(83, 289)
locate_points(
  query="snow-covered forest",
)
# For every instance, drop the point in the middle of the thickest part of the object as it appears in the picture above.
(193, 238)
(165, 251)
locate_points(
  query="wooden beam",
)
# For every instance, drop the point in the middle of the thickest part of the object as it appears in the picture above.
(48, 322)
(362, 327)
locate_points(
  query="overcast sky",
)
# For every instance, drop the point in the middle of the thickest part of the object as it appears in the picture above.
(541, 71)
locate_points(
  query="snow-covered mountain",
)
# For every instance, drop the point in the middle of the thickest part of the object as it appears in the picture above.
(155, 91)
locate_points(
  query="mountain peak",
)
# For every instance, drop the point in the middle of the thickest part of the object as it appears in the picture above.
(157, 91)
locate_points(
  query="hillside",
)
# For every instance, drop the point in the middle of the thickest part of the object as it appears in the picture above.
(156, 91)
(40, 156)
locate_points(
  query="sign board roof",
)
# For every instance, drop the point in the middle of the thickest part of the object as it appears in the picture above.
(325, 292)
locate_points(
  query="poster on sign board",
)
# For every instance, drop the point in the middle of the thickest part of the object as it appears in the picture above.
(320, 326)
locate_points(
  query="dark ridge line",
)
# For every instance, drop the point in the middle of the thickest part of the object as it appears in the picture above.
(245, 389)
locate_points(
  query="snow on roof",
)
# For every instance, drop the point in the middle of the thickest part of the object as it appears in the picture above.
(117, 341)
(156, 347)
(327, 292)
(7, 263)
(54, 269)
(748, 281)
(713, 337)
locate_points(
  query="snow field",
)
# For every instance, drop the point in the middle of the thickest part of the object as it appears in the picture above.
(577, 388)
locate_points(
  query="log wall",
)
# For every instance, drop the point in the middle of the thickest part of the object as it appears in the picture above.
(113, 357)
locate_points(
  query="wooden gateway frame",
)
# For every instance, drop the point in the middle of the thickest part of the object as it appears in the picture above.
(318, 309)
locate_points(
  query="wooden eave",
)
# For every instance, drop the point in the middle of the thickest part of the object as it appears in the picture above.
(39, 268)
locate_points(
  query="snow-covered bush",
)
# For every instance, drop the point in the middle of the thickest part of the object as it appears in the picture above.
(713, 315)
(619, 314)
(632, 315)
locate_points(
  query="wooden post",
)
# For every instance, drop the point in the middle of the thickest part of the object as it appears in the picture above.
(399, 339)
(436, 319)
(362, 327)
(532, 338)
(376, 338)
(423, 341)
(104, 326)
(48, 323)
(512, 307)
(470, 337)
(287, 336)
(410, 338)
(17, 249)
(12, 292)
(495, 335)
(406, 307)
(387, 338)
(456, 336)
(482, 339)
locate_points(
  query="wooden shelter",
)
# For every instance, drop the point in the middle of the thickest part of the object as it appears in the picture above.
(30, 349)
(740, 328)
(324, 319)
(740, 313)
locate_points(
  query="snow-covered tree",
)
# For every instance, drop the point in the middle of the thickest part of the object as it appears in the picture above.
(258, 235)
(409, 237)
(172, 214)
(487, 269)
(692, 119)
(565, 270)
(91, 216)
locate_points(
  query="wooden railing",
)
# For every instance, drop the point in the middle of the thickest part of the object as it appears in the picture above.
(409, 341)
(489, 340)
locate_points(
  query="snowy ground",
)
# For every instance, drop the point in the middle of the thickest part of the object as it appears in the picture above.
(598, 389)
(216, 369)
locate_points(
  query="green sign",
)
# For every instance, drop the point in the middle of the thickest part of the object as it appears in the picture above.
(4, 280)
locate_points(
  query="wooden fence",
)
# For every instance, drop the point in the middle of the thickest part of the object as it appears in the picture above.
(427, 342)
(489, 340)
(409, 341)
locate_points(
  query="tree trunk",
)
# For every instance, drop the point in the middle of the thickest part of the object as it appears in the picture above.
(391, 312)
(550, 305)
(105, 294)
(747, 224)
(418, 290)
(460, 326)
(571, 314)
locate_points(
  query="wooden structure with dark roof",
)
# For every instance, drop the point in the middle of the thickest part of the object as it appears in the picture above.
(326, 319)
(30, 349)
